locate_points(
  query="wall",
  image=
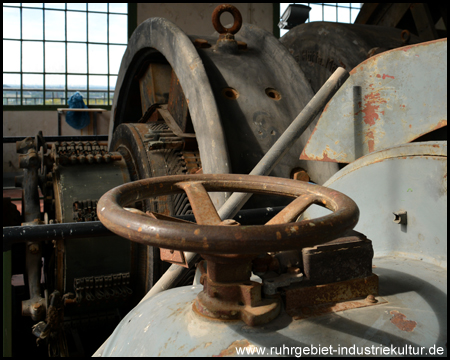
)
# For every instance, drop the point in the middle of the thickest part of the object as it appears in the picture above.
(194, 19)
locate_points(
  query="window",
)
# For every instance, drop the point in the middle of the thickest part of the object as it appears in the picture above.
(52, 50)
(333, 12)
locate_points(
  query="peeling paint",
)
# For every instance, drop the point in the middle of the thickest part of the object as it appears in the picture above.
(400, 321)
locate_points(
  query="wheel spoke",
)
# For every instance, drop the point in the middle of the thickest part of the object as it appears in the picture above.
(157, 216)
(293, 210)
(204, 211)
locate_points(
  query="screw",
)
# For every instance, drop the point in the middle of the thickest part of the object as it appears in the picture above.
(371, 299)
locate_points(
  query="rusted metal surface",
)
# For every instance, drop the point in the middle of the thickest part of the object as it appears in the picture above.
(228, 293)
(237, 19)
(384, 104)
(301, 299)
(207, 239)
(154, 89)
(345, 258)
(401, 322)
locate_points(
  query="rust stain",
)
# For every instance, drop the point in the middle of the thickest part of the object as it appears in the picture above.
(400, 321)
(231, 350)
(370, 141)
(440, 124)
(373, 102)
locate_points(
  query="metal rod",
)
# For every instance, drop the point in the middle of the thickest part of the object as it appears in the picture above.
(287, 139)
(12, 139)
(35, 233)
(264, 167)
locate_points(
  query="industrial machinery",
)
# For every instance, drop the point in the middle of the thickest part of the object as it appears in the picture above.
(321, 288)
(189, 114)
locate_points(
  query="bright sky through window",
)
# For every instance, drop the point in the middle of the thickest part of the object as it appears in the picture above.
(52, 50)
(332, 12)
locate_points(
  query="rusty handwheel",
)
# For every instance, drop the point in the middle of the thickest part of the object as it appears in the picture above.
(281, 233)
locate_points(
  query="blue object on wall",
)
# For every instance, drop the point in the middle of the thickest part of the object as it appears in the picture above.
(78, 120)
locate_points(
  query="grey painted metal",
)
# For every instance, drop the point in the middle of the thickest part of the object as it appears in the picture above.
(165, 324)
(160, 35)
(287, 139)
(272, 90)
(319, 47)
(410, 177)
(390, 99)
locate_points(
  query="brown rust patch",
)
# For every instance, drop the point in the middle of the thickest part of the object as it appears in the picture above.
(400, 321)
(370, 141)
(372, 104)
(231, 350)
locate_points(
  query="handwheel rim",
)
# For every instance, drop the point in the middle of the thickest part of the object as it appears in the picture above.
(208, 239)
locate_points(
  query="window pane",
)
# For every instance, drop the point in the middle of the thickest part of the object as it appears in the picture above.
(55, 57)
(76, 82)
(98, 59)
(11, 81)
(32, 56)
(343, 15)
(32, 25)
(11, 89)
(33, 81)
(11, 23)
(76, 6)
(35, 5)
(112, 82)
(54, 25)
(76, 26)
(11, 55)
(98, 82)
(76, 58)
(55, 82)
(115, 57)
(354, 15)
(329, 13)
(97, 7)
(316, 13)
(55, 89)
(111, 98)
(97, 28)
(118, 7)
(118, 29)
(55, 6)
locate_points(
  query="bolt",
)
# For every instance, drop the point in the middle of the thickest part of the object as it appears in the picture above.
(34, 248)
(37, 306)
(301, 175)
(371, 299)
(230, 222)
(400, 217)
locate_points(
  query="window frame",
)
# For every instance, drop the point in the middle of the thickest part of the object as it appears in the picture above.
(131, 26)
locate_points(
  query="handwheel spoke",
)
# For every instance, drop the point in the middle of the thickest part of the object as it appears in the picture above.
(156, 216)
(204, 211)
(293, 210)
